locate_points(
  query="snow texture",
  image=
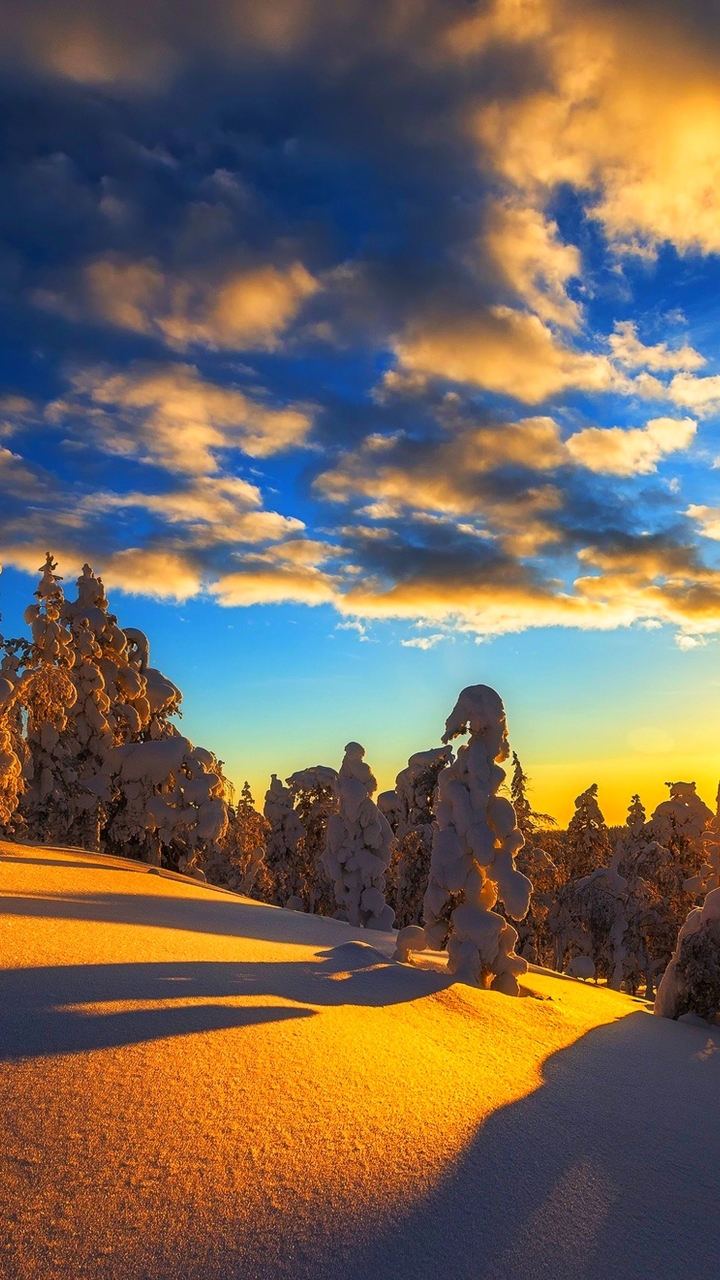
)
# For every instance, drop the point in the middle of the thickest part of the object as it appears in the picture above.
(473, 851)
(358, 848)
(199, 1086)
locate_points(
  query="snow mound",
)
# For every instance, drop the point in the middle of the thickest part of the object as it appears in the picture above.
(195, 1084)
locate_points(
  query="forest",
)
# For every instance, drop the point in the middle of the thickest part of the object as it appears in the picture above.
(455, 857)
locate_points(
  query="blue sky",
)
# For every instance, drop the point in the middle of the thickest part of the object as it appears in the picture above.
(371, 353)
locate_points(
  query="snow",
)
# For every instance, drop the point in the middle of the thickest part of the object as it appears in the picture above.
(198, 1085)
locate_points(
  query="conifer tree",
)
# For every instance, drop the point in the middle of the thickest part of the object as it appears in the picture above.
(588, 842)
(473, 851)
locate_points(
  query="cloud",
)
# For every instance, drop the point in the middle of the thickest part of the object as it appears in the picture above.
(629, 451)
(708, 520)
(244, 310)
(628, 350)
(171, 416)
(499, 349)
(212, 509)
(424, 642)
(527, 251)
(626, 110)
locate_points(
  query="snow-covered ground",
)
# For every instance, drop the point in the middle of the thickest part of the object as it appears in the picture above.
(194, 1085)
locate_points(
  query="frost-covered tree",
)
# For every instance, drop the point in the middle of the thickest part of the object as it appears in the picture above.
(588, 844)
(535, 940)
(473, 851)
(315, 796)
(691, 982)
(284, 834)
(358, 846)
(236, 858)
(708, 876)
(48, 694)
(12, 748)
(410, 810)
(167, 803)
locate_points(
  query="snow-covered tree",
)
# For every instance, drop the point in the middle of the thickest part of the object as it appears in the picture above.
(410, 810)
(315, 795)
(284, 835)
(48, 694)
(473, 851)
(236, 858)
(708, 876)
(13, 754)
(358, 846)
(588, 844)
(691, 982)
(535, 940)
(167, 803)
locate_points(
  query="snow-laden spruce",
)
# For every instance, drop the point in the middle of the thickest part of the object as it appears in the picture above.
(315, 795)
(410, 810)
(691, 982)
(358, 848)
(475, 841)
(286, 831)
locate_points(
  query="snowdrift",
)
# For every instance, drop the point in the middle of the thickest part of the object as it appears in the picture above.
(197, 1085)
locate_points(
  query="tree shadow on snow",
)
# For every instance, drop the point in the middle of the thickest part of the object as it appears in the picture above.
(42, 1009)
(608, 1171)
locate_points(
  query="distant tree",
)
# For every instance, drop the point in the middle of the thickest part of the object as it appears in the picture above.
(239, 857)
(315, 795)
(284, 834)
(588, 844)
(358, 845)
(410, 810)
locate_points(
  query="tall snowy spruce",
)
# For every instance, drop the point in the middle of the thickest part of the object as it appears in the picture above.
(358, 847)
(473, 851)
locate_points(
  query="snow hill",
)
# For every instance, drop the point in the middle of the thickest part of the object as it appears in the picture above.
(195, 1085)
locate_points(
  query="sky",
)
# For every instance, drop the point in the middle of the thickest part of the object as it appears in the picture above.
(368, 351)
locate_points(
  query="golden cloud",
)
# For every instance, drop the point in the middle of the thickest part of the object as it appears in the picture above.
(628, 113)
(500, 349)
(170, 415)
(618, 451)
(246, 310)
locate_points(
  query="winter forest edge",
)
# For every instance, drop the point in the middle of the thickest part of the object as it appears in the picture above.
(455, 857)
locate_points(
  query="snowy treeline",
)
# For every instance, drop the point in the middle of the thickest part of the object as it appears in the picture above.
(90, 755)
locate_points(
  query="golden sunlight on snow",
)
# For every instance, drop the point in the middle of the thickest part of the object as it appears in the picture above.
(190, 1077)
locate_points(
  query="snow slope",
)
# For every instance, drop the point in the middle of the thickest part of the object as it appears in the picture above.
(196, 1085)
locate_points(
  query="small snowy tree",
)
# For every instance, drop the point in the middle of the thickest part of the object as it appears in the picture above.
(473, 851)
(410, 810)
(588, 844)
(236, 858)
(284, 835)
(535, 941)
(359, 840)
(315, 795)
(691, 982)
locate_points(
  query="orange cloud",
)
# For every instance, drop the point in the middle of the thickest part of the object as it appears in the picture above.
(618, 451)
(247, 310)
(169, 415)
